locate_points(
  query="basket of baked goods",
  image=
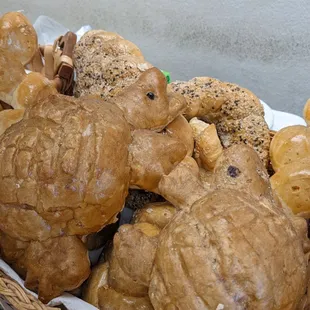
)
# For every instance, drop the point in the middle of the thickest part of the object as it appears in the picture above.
(119, 190)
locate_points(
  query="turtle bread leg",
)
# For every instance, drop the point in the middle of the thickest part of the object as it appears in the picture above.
(55, 266)
(181, 129)
(122, 281)
(152, 155)
(13, 252)
(182, 186)
(49, 267)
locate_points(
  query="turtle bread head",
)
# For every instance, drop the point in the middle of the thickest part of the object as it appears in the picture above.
(147, 105)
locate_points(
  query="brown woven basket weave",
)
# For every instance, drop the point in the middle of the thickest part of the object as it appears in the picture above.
(13, 297)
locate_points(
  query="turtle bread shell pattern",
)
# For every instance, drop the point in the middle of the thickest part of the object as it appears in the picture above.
(230, 249)
(63, 168)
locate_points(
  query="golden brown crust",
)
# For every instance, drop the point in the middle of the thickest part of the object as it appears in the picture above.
(306, 112)
(122, 282)
(132, 276)
(208, 147)
(236, 112)
(292, 183)
(288, 145)
(182, 187)
(50, 266)
(55, 264)
(231, 245)
(12, 251)
(97, 279)
(289, 154)
(158, 214)
(146, 104)
(57, 180)
(241, 168)
(180, 129)
(61, 168)
(11, 78)
(163, 153)
(99, 294)
(32, 88)
(110, 299)
(217, 255)
(9, 117)
(18, 35)
(65, 172)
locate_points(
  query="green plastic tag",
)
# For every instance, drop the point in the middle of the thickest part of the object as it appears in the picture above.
(167, 75)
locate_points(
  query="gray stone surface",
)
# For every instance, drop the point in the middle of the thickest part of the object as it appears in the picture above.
(263, 45)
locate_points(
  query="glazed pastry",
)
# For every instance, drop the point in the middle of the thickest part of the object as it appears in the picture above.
(236, 112)
(224, 246)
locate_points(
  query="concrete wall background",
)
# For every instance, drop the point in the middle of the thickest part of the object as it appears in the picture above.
(263, 45)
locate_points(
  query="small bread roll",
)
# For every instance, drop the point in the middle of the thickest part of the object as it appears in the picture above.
(288, 145)
(18, 35)
(292, 184)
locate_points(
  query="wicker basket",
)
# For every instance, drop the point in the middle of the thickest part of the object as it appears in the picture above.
(13, 297)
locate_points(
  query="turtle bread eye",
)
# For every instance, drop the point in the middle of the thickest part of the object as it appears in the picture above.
(151, 95)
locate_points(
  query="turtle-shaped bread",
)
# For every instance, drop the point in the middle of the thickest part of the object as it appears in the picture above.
(228, 246)
(66, 165)
(106, 63)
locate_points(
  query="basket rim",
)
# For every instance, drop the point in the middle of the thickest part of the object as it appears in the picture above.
(16, 296)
